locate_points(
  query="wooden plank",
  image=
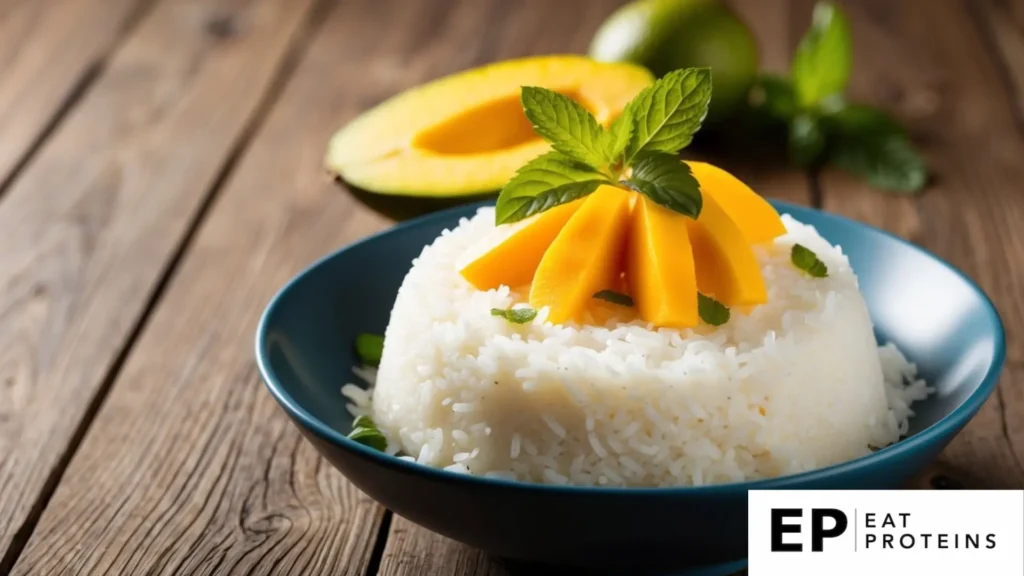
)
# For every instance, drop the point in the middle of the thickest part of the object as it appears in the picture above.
(90, 225)
(48, 50)
(1003, 20)
(190, 467)
(929, 64)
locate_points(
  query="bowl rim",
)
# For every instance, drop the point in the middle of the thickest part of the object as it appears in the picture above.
(950, 423)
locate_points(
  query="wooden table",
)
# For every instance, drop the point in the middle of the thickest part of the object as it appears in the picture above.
(160, 178)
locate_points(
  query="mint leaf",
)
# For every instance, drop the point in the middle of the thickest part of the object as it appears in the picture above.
(806, 140)
(617, 138)
(870, 144)
(570, 128)
(614, 297)
(669, 112)
(363, 422)
(711, 311)
(773, 96)
(664, 179)
(821, 65)
(516, 316)
(806, 260)
(543, 183)
(369, 437)
(369, 348)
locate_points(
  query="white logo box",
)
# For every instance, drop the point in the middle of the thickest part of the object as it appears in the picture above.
(899, 532)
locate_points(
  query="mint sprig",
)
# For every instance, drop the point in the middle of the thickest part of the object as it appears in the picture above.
(823, 127)
(643, 142)
(614, 297)
(515, 316)
(369, 348)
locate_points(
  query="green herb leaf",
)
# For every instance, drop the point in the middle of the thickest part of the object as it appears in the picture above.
(515, 316)
(615, 297)
(618, 136)
(363, 421)
(711, 311)
(869, 143)
(570, 128)
(371, 437)
(773, 96)
(543, 183)
(664, 179)
(821, 65)
(806, 260)
(669, 112)
(806, 140)
(369, 348)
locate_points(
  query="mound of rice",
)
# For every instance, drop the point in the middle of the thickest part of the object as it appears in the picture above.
(798, 383)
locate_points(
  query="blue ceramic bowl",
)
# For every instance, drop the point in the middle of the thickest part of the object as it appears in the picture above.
(936, 315)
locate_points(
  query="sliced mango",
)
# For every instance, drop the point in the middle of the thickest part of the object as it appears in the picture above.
(513, 261)
(586, 256)
(660, 267)
(466, 133)
(754, 216)
(727, 269)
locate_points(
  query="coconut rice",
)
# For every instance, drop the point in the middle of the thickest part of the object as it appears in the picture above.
(795, 384)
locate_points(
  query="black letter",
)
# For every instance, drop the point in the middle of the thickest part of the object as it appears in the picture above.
(991, 541)
(973, 540)
(868, 540)
(905, 546)
(904, 515)
(886, 540)
(818, 532)
(869, 520)
(779, 528)
(943, 541)
(926, 537)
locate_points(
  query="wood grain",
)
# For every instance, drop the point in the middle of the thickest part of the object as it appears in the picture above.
(190, 467)
(49, 50)
(95, 218)
(1003, 25)
(929, 63)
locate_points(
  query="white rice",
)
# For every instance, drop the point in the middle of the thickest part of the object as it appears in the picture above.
(796, 384)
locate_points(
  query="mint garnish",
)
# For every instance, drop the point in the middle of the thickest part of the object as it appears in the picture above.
(570, 128)
(659, 122)
(822, 126)
(363, 421)
(516, 316)
(821, 65)
(664, 179)
(369, 348)
(669, 112)
(614, 297)
(711, 311)
(806, 260)
(371, 437)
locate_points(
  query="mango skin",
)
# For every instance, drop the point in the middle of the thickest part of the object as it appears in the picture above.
(398, 148)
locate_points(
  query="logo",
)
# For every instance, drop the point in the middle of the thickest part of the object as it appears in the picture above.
(797, 533)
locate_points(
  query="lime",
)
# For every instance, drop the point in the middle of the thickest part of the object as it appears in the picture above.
(665, 35)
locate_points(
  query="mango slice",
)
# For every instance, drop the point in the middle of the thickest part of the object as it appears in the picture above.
(727, 269)
(466, 134)
(660, 266)
(754, 216)
(515, 259)
(586, 256)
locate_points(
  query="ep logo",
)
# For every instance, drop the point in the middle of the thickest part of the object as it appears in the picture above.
(787, 528)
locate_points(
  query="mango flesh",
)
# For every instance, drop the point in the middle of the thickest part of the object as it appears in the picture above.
(513, 261)
(466, 134)
(586, 256)
(754, 216)
(660, 266)
(727, 269)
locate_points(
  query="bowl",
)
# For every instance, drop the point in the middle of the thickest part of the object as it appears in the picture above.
(935, 314)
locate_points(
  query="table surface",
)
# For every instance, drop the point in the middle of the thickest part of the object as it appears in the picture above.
(161, 177)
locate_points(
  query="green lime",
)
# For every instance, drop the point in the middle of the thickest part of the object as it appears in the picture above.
(665, 35)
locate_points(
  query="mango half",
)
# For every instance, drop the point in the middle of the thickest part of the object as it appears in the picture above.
(467, 134)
